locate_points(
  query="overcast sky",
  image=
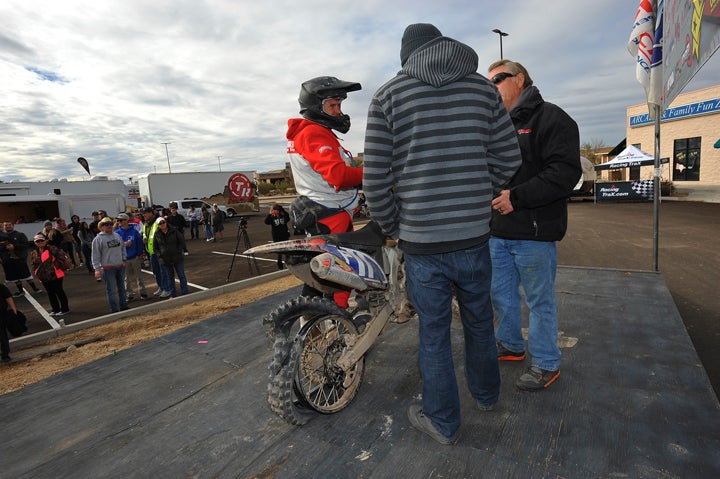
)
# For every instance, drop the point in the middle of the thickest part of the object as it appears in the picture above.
(111, 80)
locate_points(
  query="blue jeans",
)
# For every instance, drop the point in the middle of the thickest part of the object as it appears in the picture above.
(533, 265)
(431, 280)
(194, 229)
(115, 283)
(170, 270)
(158, 271)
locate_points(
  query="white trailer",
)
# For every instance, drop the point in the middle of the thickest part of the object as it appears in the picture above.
(29, 212)
(227, 188)
(98, 184)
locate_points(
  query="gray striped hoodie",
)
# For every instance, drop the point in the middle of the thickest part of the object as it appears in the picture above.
(439, 144)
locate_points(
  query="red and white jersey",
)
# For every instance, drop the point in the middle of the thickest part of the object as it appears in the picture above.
(323, 170)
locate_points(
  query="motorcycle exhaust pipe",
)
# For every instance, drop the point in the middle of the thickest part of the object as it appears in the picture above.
(327, 267)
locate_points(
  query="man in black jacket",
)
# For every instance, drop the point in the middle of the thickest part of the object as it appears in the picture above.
(528, 218)
(278, 219)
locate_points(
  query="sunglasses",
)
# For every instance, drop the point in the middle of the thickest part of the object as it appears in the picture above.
(500, 77)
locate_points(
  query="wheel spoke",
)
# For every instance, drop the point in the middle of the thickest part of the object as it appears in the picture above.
(324, 385)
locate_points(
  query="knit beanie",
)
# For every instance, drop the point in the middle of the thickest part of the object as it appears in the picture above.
(415, 36)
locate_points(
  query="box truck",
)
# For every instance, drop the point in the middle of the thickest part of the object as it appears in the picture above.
(235, 190)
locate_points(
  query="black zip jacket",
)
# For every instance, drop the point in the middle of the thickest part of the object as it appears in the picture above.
(170, 246)
(550, 145)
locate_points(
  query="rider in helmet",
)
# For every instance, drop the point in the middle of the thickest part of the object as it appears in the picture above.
(323, 170)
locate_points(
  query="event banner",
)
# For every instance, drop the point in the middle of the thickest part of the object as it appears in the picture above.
(640, 190)
(691, 36)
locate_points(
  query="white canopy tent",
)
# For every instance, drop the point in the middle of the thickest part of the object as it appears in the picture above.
(629, 157)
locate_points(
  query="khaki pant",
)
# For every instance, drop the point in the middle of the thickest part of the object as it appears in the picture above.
(133, 275)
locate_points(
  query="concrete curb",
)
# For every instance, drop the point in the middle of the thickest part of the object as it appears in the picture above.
(35, 338)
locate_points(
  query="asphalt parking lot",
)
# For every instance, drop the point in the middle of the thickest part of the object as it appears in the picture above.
(207, 266)
(617, 236)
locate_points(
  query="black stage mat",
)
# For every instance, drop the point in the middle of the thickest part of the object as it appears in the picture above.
(632, 401)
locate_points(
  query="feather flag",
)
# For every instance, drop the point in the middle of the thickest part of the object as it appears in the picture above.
(645, 45)
(84, 164)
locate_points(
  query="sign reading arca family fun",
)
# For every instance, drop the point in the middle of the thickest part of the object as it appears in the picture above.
(676, 113)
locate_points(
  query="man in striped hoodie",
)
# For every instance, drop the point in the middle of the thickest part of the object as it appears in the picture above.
(439, 145)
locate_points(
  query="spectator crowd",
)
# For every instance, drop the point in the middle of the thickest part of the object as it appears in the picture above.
(113, 250)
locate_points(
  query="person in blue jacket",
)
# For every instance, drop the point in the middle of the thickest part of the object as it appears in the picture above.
(135, 249)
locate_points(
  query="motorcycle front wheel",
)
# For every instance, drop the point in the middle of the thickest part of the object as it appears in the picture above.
(319, 381)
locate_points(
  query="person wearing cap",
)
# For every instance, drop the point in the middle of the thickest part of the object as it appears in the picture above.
(170, 245)
(108, 258)
(134, 248)
(438, 144)
(149, 230)
(45, 252)
(52, 234)
(324, 172)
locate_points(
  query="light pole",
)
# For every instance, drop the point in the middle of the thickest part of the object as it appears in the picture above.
(501, 34)
(167, 154)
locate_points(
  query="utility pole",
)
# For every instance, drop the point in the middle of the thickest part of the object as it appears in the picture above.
(502, 34)
(167, 154)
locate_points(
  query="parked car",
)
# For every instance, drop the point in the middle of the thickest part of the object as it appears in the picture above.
(184, 205)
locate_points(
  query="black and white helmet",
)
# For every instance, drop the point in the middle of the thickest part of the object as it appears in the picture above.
(314, 92)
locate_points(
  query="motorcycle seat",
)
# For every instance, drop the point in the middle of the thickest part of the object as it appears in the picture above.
(369, 236)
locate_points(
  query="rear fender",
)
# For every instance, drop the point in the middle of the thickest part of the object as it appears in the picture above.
(312, 244)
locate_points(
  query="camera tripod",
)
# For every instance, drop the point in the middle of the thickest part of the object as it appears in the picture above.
(242, 235)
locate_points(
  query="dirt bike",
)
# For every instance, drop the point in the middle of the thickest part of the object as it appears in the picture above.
(318, 347)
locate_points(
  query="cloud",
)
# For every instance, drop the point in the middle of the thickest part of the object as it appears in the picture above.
(110, 81)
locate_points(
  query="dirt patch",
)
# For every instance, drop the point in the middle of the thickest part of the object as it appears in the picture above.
(60, 354)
